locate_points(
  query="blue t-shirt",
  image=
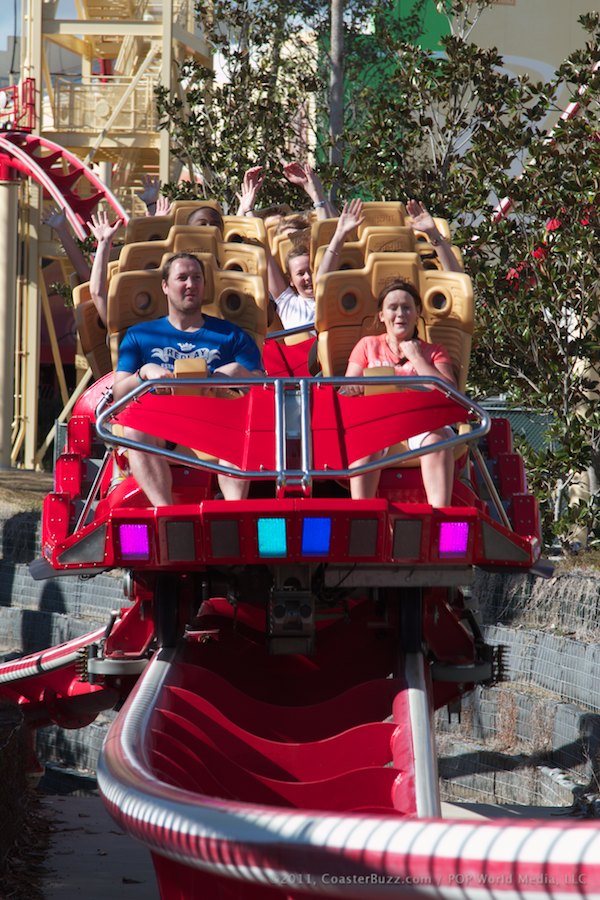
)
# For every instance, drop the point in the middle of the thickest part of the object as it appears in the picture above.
(218, 342)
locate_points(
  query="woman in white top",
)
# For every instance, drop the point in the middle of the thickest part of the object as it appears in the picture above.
(294, 292)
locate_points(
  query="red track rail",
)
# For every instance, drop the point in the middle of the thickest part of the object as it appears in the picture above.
(212, 846)
(62, 175)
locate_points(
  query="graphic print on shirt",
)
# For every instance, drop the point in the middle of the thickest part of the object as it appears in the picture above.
(167, 355)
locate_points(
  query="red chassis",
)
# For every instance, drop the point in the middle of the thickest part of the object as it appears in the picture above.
(299, 550)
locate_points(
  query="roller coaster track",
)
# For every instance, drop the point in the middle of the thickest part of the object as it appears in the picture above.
(313, 782)
(60, 173)
(251, 774)
(175, 760)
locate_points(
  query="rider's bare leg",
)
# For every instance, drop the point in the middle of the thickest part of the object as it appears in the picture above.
(233, 488)
(364, 487)
(152, 473)
(437, 470)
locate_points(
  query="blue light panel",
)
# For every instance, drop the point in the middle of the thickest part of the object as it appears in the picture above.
(316, 537)
(271, 537)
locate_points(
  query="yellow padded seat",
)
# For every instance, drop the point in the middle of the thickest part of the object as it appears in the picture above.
(81, 293)
(235, 256)
(283, 243)
(181, 210)
(144, 255)
(156, 228)
(138, 296)
(351, 256)
(388, 239)
(374, 239)
(148, 228)
(188, 238)
(390, 212)
(92, 335)
(321, 232)
(346, 309)
(240, 229)
(112, 267)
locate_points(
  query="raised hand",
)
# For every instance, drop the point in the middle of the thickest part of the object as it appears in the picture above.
(55, 217)
(422, 220)
(296, 174)
(101, 227)
(164, 206)
(350, 217)
(251, 184)
(150, 189)
(420, 217)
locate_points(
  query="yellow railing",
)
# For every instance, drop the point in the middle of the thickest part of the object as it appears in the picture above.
(87, 107)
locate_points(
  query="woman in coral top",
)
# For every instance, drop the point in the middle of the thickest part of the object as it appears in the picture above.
(398, 308)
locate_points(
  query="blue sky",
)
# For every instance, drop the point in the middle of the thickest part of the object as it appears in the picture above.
(66, 10)
(6, 22)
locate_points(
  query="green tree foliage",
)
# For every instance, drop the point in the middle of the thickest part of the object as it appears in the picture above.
(252, 109)
(266, 98)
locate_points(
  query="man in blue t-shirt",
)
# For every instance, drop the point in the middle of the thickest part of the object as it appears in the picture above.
(149, 350)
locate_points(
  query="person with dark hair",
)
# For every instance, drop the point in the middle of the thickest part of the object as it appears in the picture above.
(399, 306)
(149, 350)
(206, 215)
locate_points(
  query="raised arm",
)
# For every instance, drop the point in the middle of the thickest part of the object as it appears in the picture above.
(104, 232)
(150, 193)
(251, 184)
(350, 218)
(57, 219)
(306, 178)
(422, 220)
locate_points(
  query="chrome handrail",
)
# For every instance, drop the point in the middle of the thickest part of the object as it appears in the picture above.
(304, 387)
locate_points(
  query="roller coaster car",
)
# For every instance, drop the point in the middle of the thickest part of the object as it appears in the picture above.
(298, 553)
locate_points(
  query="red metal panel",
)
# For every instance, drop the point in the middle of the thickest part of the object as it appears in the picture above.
(217, 426)
(79, 436)
(524, 514)
(286, 360)
(56, 515)
(499, 438)
(511, 475)
(68, 474)
(372, 423)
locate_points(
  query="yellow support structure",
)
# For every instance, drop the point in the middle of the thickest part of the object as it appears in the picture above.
(101, 108)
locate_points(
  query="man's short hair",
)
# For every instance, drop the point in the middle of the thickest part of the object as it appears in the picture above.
(182, 255)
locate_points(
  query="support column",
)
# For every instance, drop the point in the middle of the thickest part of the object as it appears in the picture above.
(9, 188)
(31, 322)
(166, 77)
